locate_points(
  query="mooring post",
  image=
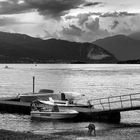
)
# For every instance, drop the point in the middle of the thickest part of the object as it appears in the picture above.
(33, 84)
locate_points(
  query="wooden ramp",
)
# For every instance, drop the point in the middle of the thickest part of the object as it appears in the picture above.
(120, 103)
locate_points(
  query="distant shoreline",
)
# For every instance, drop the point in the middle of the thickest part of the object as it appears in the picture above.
(137, 61)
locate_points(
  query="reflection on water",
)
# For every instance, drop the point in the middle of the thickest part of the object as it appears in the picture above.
(104, 130)
(24, 123)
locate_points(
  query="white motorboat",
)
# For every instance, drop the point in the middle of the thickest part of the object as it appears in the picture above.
(47, 114)
(63, 110)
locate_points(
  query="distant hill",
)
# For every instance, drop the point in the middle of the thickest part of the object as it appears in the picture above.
(18, 48)
(17, 38)
(135, 35)
(122, 47)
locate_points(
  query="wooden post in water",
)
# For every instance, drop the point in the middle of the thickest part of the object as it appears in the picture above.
(33, 84)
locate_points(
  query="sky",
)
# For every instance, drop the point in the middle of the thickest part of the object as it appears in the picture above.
(73, 20)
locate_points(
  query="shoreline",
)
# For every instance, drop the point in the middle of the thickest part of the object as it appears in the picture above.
(64, 135)
(16, 135)
(131, 132)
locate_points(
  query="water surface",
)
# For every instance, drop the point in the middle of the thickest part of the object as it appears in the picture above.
(93, 80)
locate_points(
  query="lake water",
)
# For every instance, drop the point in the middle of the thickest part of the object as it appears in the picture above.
(94, 80)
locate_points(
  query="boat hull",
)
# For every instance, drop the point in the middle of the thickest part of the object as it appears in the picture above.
(53, 115)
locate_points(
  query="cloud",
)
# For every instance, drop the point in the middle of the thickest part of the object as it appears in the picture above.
(93, 25)
(72, 30)
(118, 14)
(127, 25)
(92, 4)
(121, 24)
(83, 28)
(115, 24)
(13, 7)
(53, 8)
(104, 15)
(6, 21)
(82, 18)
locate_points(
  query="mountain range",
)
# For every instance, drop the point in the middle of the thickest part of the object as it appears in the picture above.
(123, 47)
(19, 48)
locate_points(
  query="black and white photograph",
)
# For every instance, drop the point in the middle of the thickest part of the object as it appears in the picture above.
(69, 69)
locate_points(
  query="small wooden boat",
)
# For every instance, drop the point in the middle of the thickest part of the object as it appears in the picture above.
(53, 113)
(47, 114)
(63, 110)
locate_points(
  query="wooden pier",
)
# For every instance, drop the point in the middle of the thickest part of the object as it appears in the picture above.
(13, 105)
(102, 109)
(120, 103)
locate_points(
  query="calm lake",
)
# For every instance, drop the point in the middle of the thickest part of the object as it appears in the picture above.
(94, 80)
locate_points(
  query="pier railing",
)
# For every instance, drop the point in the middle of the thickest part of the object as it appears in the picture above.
(121, 102)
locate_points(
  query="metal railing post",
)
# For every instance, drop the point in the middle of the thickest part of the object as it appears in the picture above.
(109, 103)
(33, 84)
(121, 102)
(131, 100)
(102, 105)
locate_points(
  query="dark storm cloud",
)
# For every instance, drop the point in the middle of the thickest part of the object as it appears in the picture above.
(13, 7)
(53, 8)
(118, 14)
(92, 3)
